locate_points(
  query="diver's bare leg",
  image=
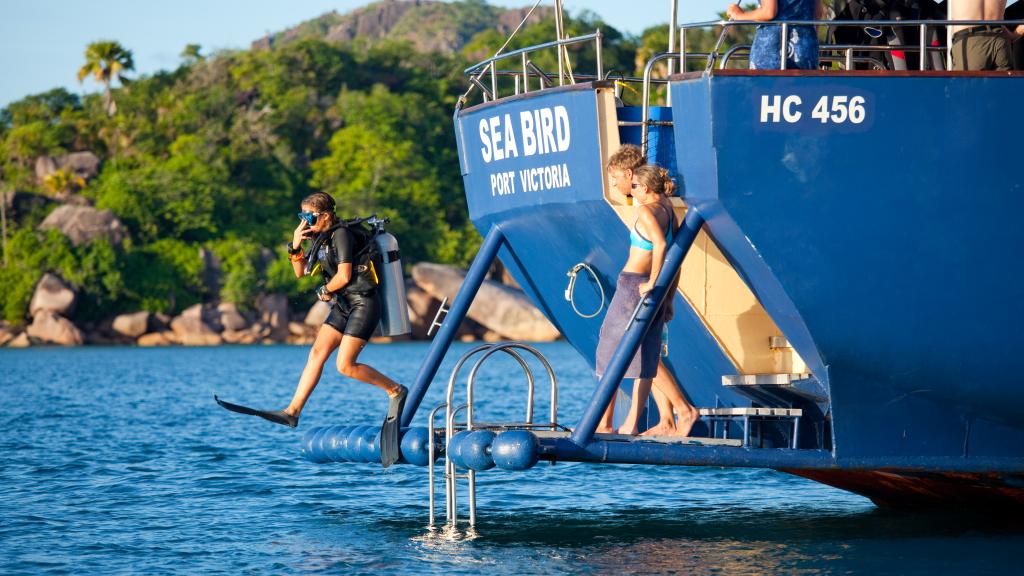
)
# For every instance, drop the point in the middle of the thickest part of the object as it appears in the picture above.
(348, 353)
(327, 340)
(641, 391)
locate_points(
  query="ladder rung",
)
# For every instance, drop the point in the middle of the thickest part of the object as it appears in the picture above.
(762, 379)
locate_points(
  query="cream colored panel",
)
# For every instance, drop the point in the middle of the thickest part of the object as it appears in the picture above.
(608, 132)
(693, 281)
(740, 323)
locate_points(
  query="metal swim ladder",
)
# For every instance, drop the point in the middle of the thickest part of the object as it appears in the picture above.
(451, 474)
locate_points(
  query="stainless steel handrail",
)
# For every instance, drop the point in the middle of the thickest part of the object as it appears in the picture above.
(534, 48)
(432, 456)
(847, 48)
(478, 70)
(646, 94)
(922, 25)
(451, 473)
(509, 347)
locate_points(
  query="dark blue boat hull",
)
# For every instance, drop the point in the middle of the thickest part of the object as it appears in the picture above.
(885, 250)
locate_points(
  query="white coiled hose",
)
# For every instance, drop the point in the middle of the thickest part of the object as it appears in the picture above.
(570, 295)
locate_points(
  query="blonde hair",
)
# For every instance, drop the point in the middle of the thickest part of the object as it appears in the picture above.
(627, 157)
(656, 179)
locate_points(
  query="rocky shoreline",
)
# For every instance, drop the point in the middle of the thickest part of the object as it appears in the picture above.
(500, 312)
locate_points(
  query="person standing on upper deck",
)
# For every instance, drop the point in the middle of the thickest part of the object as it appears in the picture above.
(982, 47)
(802, 44)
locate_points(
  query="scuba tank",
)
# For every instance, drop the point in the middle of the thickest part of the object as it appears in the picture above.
(387, 261)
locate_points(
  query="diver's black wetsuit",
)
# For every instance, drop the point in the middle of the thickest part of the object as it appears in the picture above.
(356, 309)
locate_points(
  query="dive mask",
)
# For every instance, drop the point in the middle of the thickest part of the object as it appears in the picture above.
(309, 217)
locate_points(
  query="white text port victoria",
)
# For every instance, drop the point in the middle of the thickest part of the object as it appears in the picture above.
(530, 180)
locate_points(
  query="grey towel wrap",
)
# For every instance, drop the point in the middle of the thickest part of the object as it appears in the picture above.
(625, 300)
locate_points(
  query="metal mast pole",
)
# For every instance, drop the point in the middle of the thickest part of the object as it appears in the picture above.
(673, 27)
(558, 34)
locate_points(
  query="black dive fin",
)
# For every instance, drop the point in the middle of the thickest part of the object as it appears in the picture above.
(389, 448)
(275, 416)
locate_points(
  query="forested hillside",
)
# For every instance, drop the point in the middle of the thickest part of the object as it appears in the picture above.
(202, 168)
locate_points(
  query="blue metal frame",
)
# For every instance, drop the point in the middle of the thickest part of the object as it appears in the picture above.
(450, 326)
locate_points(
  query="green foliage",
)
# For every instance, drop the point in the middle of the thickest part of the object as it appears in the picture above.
(46, 107)
(218, 153)
(164, 276)
(280, 278)
(173, 197)
(25, 142)
(29, 259)
(192, 54)
(92, 269)
(99, 278)
(241, 274)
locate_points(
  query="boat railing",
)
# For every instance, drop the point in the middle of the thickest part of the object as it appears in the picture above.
(923, 26)
(478, 71)
(848, 60)
(845, 55)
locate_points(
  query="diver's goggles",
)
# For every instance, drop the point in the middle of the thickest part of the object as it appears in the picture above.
(309, 217)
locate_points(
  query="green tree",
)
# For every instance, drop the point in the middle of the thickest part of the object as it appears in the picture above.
(106, 61)
(367, 174)
(164, 276)
(191, 54)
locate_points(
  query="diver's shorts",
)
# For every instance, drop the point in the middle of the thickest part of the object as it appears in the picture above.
(355, 314)
(620, 311)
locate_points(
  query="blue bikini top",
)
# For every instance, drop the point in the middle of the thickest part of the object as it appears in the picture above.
(637, 240)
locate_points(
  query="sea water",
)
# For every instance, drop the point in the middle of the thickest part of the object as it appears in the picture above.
(117, 460)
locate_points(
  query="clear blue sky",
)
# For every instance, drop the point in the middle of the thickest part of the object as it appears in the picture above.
(43, 40)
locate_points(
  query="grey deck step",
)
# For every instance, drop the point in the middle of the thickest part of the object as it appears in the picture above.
(762, 379)
(787, 412)
(659, 439)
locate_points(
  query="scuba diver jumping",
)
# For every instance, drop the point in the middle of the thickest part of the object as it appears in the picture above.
(351, 286)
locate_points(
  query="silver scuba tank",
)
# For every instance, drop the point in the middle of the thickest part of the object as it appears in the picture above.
(394, 317)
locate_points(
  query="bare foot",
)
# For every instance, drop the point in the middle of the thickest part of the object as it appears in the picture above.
(628, 431)
(605, 430)
(663, 428)
(686, 421)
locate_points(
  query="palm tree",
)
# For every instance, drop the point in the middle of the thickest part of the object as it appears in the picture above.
(106, 61)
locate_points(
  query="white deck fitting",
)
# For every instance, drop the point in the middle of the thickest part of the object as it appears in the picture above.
(762, 379)
(788, 412)
(652, 439)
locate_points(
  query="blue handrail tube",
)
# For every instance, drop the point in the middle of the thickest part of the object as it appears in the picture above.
(450, 326)
(650, 304)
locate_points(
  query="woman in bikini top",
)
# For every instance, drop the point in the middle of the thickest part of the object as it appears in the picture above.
(652, 230)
